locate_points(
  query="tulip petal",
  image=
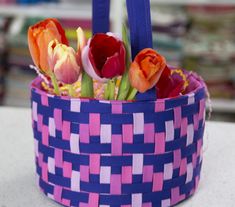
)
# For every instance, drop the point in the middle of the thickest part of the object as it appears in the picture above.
(66, 69)
(33, 47)
(88, 66)
(137, 78)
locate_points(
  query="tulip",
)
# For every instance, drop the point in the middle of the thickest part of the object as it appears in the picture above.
(172, 83)
(146, 69)
(63, 62)
(39, 36)
(104, 57)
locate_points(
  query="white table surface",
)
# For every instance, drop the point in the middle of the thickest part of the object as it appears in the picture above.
(17, 171)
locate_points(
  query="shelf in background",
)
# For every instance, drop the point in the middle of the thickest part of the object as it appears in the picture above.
(61, 10)
(223, 105)
(194, 2)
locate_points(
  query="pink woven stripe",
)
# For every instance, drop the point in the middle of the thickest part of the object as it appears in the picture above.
(158, 181)
(159, 106)
(175, 196)
(84, 205)
(115, 185)
(66, 130)
(57, 193)
(159, 143)
(44, 100)
(84, 133)
(84, 173)
(202, 109)
(67, 169)
(177, 117)
(183, 167)
(45, 172)
(65, 202)
(149, 132)
(40, 159)
(146, 205)
(196, 121)
(45, 135)
(148, 173)
(184, 126)
(94, 164)
(177, 159)
(39, 123)
(58, 119)
(116, 108)
(58, 158)
(127, 174)
(94, 124)
(127, 132)
(116, 144)
(93, 200)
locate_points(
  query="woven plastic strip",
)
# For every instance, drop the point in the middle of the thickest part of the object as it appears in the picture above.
(100, 16)
(92, 153)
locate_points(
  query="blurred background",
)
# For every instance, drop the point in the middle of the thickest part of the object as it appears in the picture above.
(196, 35)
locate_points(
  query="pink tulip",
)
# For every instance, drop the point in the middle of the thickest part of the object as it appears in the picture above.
(103, 57)
(63, 62)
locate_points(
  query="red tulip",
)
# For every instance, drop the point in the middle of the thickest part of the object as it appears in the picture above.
(104, 57)
(39, 36)
(146, 69)
(63, 62)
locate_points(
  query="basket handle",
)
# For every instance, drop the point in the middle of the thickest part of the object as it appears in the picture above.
(139, 18)
(100, 16)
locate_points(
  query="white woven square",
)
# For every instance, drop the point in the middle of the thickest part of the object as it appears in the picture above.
(105, 133)
(137, 163)
(51, 127)
(168, 171)
(75, 181)
(138, 122)
(75, 106)
(105, 175)
(190, 134)
(170, 131)
(136, 200)
(74, 143)
(51, 165)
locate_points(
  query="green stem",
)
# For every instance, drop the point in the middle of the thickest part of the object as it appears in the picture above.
(55, 84)
(132, 94)
(112, 89)
(87, 89)
(107, 91)
(124, 87)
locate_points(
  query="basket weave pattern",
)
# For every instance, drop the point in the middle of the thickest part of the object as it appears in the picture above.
(101, 153)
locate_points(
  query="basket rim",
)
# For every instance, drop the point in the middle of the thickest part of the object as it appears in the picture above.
(35, 86)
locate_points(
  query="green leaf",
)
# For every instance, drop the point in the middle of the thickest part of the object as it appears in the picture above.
(87, 89)
(125, 83)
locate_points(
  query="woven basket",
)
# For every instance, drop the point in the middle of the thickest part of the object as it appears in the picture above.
(111, 153)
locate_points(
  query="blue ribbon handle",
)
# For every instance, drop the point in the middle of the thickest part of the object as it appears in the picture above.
(100, 16)
(139, 18)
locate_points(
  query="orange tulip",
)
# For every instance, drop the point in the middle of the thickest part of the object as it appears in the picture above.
(39, 36)
(146, 69)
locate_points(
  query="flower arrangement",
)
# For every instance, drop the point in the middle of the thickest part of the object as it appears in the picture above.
(99, 68)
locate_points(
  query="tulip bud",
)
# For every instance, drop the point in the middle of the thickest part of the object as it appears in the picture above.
(63, 62)
(104, 57)
(146, 69)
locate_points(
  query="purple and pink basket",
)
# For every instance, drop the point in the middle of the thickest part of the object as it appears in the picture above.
(94, 153)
